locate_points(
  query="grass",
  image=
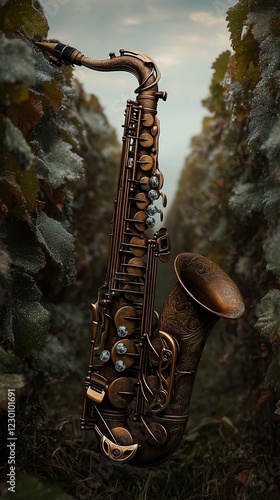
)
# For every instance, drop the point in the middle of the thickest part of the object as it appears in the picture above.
(217, 460)
(226, 452)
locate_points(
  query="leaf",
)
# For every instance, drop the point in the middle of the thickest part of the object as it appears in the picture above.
(272, 378)
(22, 246)
(59, 164)
(272, 145)
(44, 72)
(25, 16)
(236, 17)
(271, 251)
(22, 68)
(10, 192)
(261, 22)
(30, 320)
(53, 94)
(246, 59)
(265, 108)
(54, 359)
(15, 142)
(29, 185)
(271, 200)
(18, 187)
(28, 113)
(220, 66)
(58, 243)
(268, 323)
(246, 199)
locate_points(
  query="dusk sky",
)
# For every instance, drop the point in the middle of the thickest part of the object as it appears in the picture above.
(183, 37)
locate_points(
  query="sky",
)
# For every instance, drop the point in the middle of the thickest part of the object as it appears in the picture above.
(183, 37)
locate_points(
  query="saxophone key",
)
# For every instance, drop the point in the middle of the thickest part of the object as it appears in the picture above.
(153, 194)
(97, 388)
(148, 120)
(154, 130)
(124, 354)
(122, 436)
(138, 246)
(132, 291)
(145, 183)
(164, 199)
(136, 266)
(121, 392)
(145, 162)
(140, 220)
(94, 329)
(160, 177)
(154, 182)
(95, 312)
(146, 140)
(126, 320)
(141, 201)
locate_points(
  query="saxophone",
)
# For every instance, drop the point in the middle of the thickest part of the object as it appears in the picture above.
(142, 365)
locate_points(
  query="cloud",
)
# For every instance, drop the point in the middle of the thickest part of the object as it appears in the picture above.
(206, 18)
(132, 21)
(184, 38)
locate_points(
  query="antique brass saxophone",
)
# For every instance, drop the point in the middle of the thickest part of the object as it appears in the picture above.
(142, 366)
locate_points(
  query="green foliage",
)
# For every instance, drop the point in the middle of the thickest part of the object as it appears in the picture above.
(58, 173)
(55, 359)
(227, 203)
(26, 16)
(58, 243)
(268, 325)
(55, 212)
(27, 318)
(57, 149)
(49, 140)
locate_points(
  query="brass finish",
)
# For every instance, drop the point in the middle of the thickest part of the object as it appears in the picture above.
(141, 200)
(97, 388)
(142, 366)
(138, 246)
(166, 373)
(129, 357)
(121, 392)
(117, 452)
(140, 221)
(127, 316)
(145, 162)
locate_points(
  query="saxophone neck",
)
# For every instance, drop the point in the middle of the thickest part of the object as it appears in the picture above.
(136, 63)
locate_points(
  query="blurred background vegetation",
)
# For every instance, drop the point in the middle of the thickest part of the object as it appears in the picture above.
(59, 166)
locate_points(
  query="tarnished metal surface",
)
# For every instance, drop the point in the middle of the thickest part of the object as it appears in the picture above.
(142, 366)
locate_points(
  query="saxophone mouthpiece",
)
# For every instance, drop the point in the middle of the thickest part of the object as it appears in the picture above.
(59, 53)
